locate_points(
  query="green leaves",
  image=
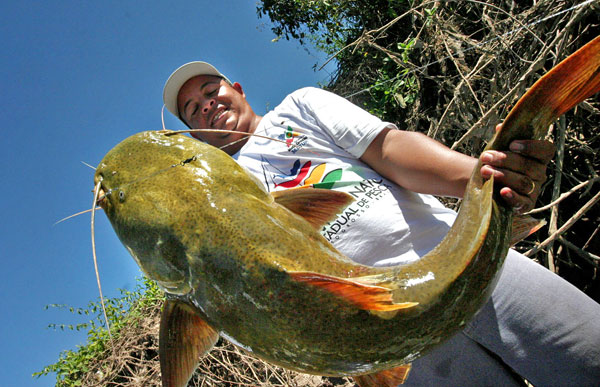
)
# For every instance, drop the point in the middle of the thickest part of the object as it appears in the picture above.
(72, 364)
(328, 25)
(378, 62)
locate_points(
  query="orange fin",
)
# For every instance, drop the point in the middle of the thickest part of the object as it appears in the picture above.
(567, 84)
(523, 226)
(387, 378)
(184, 337)
(317, 206)
(367, 297)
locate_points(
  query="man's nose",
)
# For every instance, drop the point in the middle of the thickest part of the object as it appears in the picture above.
(208, 105)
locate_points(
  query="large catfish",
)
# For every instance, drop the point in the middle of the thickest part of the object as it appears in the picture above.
(251, 266)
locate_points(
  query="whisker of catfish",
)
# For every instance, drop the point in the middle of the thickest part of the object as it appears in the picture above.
(172, 132)
(96, 194)
(87, 165)
(72, 216)
(232, 143)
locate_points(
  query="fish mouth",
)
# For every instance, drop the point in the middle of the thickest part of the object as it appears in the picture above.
(101, 194)
(101, 201)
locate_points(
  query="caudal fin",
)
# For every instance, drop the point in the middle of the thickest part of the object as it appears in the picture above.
(570, 82)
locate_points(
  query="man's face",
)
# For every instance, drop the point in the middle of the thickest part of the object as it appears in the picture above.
(209, 102)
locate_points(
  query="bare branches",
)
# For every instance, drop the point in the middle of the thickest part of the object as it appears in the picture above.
(565, 195)
(566, 225)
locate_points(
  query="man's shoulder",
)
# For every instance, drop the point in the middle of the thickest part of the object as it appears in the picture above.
(310, 95)
(300, 94)
(311, 90)
(298, 98)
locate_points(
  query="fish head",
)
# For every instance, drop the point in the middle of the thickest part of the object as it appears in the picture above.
(155, 200)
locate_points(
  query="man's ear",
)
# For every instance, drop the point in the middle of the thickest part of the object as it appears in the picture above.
(237, 87)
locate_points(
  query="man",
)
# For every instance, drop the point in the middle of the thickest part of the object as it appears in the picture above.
(327, 142)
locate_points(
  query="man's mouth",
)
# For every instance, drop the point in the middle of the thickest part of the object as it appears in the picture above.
(217, 116)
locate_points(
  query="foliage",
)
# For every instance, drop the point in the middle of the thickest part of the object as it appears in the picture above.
(131, 357)
(332, 25)
(121, 311)
(329, 24)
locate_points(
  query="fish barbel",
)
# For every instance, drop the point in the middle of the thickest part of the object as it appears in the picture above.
(252, 266)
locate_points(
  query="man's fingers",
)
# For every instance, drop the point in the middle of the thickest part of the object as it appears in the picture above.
(542, 151)
(520, 203)
(520, 171)
(518, 191)
(518, 182)
(520, 164)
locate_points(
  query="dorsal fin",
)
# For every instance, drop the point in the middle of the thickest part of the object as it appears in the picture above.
(183, 338)
(367, 297)
(387, 378)
(317, 206)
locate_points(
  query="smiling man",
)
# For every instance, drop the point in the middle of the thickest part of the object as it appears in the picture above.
(210, 100)
(535, 322)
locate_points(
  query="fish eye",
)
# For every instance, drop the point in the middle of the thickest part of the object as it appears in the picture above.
(121, 196)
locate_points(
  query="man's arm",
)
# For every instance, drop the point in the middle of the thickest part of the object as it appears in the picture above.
(421, 164)
(418, 163)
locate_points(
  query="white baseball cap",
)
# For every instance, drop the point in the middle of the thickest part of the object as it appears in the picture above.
(181, 76)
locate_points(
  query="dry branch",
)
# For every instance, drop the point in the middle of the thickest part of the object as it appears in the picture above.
(565, 226)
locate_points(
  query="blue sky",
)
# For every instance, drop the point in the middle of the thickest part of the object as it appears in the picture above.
(77, 78)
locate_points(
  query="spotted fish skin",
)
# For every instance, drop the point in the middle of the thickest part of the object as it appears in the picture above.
(205, 229)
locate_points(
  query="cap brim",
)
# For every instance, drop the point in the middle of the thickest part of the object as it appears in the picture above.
(181, 76)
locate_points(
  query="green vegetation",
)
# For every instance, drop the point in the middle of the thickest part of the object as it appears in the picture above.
(336, 26)
(126, 310)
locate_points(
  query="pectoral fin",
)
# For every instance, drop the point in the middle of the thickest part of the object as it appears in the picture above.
(184, 337)
(523, 226)
(317, 206)
(367, 297)
(387, 378)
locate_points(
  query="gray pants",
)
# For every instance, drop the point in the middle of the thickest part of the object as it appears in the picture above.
(537, 323)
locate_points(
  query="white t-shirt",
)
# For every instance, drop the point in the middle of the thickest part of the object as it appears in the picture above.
(321, 138)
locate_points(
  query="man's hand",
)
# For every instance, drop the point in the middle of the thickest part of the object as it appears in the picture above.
(520, 171)
(421, 164)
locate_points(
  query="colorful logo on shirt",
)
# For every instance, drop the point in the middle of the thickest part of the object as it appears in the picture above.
(289, 136)
(297, 174)
(364, 190)
(302, 176)
(294, 140)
